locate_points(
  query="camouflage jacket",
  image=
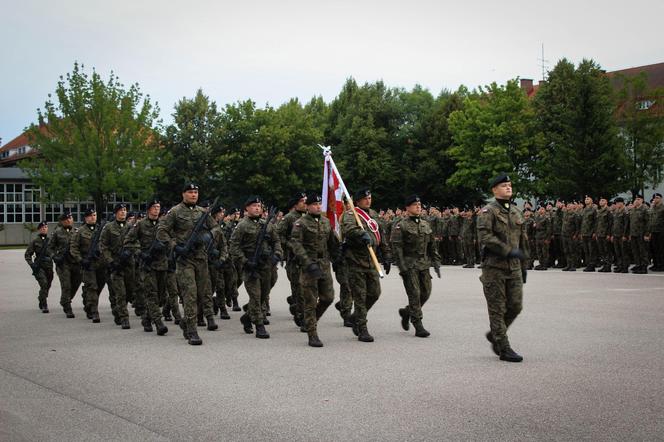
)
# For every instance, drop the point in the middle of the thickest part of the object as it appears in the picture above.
(657, 218)
(619, 223)
(314, 241)
(176, 226)
(413, 245)
(284, 230)
(603, 226)
(588, 221)
(243, 242)
(140, 238)
(639, 221)
(543, 227)
(357, 253)
(502, 229)
(80, 244)
(35, 248)
(112, 240)
(58, 246)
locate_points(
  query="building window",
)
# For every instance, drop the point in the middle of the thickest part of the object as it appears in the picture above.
(644, 105)
(52, 212)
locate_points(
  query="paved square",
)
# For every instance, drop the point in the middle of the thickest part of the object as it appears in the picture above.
(594, 369)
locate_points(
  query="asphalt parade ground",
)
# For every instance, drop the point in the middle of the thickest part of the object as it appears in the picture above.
(593, 370)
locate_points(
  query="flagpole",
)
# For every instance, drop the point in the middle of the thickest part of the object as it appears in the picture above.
(328, 157)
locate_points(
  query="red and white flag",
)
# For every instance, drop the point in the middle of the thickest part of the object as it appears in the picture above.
(333, 191)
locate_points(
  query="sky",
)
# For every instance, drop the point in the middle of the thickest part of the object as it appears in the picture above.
(271, 51)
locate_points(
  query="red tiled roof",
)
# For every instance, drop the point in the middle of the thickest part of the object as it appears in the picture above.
(20, 141)
(654, 72)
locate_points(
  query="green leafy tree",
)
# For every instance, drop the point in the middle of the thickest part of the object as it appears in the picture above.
(493, 133)
(95, 139)
(641, 121)
(581, 152)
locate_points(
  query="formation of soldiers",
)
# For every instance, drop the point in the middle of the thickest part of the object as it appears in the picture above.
(198, 256)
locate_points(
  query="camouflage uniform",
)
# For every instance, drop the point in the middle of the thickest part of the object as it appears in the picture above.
(468, 229)
(284, 230)
(454, 230)
(113, 253)
(502, 230)
(603, 232)
(192, 275)
(231, 276)
(557, 250)
(588, 225)
(217, 261)
(93, 270)
(314, 244)
(657, 232)
(69, 273)
(415, 249)
(618, 225)
(568, 232)
(44, 274)
(345, 304)
(639, 223)
(543, 233)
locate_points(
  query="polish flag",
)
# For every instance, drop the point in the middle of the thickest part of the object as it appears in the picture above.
(332, 194)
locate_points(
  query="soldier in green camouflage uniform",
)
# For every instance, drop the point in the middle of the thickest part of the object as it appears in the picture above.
(619, 222)
(588, 226)
(504, 246)
(41, 265)
(314, 244)
(568, 233)
(543, 234)
(602, 235)
(217, 260)
(529, 222)
(93, 269)
(231, 275)
(415, 249)
(468, 229)
(639, 225)
(257, 276)
(297, 207)
(362, 275)
(69, 273)
(657, 232)
(340, 266)
(141, 241)
(192, 274)
(454, 241)
(557, 250)
(118, 259)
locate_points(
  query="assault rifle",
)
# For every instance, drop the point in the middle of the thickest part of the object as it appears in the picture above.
(42, 253)
(93, 251)
(253, 262)
(185, 249)
(147, 257)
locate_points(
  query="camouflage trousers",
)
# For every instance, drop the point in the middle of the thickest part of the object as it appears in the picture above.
(119, 283)
(70, 279)
(44, 278)
(173, 295)
(569, 246)
(589, 251)
(94, 281)
(619, 252)
(657, 242)
(218, 287)
(345, 294)
(503, 290)
(366, 291)
(469, 251)
(604, 250)
(258, 288)
(317, 295)
(293, 274)
(418, 288)
(194, 284)
(543, 252)
(153, 286)
(640, 251)
(230, 281)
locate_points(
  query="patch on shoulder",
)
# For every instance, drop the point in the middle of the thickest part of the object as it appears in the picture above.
(485, 210)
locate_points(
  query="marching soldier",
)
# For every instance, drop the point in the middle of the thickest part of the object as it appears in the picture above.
(42, 264)
(118, 259)
(256, 274)
(638, 233)
(340, 267)
(314, 244)
(415, 250)
(543, 234)
(504, 249)
(69, 273)
(232, 279)
(142, 240)
(85, 252)
(217, 260)
(362, 275)
(193, 279)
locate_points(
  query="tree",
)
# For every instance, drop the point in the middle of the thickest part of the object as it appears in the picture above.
(95, 140)
(493, 133)
(581, 153)
(642, 131)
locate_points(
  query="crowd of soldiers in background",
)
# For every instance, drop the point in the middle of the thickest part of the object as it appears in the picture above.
(609, 236)
(594, 235)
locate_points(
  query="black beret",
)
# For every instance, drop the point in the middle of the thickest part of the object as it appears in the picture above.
(153, 202)
(657, 195)
(314, 197)
(42, 224)
(410, 199)
(252, 200)
(362, 193)
(119, 206)
(638, 196)
(89, 212)
(64, 216)
(205, 204)
(235, 210)
(216, 209)
(131, 214)
(500, 178)
(190, 186)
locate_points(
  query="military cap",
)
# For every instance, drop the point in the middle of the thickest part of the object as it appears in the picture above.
(131, 214)
(42, 224)
(296, 199)
(64, 216)
(153, 202)
(216, 209)
(638, 196)
(362, 193)
(498, 179)
(189, 186)
(205, 204)
(119, 206)
(314, 197)
(252, 200)
(411, 199)
(657, 195)
(619, 200)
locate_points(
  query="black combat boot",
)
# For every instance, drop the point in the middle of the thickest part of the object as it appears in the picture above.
(261, 333)
(364, 335)
(303, 328)
(355, 326)
(95, 318)
(183, 327)
(420, 331)
(194, 339)
(41, 304)
(236, 306)
(161, 328)
(589, 269)
(223, 313)
(314, 341)
(228, 302)
(405, 318)
(292, 308)
(126, 326)
(509, 355)
(215, 304)
(246, 323)
(211, 325)
(200, 320)
(290, 300)
(147, 325)
(68, 312)
(348, 322)
(606, 268)
(45, 307)
(494, 346)
(116, 319)
(166, 313)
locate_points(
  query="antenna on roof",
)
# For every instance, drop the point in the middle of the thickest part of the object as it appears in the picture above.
(543, 64)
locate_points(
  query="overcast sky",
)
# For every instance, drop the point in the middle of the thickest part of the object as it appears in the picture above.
(270, 51)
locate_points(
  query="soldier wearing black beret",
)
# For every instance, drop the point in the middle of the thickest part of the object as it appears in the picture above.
(38, 258)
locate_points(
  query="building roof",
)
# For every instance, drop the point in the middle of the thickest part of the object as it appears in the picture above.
(654, 72)
(20, 141)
